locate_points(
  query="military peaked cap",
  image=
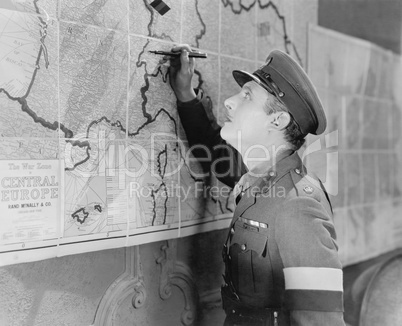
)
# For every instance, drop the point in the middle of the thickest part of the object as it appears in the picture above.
(283, 77)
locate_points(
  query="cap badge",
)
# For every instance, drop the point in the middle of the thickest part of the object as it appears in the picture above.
(308, 190)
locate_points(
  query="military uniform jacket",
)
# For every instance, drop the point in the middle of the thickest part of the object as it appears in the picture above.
(281, 244)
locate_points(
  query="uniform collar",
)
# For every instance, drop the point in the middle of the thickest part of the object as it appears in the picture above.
(252, 177)
(265, 183)
(275, 173)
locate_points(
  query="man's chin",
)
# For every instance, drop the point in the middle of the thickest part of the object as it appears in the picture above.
(225, 134)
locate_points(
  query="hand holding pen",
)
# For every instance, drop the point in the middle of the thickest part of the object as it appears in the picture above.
(181, 71)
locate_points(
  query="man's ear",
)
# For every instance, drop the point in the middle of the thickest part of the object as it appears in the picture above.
(279, 120)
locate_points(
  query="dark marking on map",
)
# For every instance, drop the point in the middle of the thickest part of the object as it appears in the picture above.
(80, 215)
(264, 29)
(161, 7)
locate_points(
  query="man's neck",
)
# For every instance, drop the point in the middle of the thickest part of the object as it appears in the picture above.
(261, 165)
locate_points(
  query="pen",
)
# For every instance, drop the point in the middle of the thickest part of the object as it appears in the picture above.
(176, 54)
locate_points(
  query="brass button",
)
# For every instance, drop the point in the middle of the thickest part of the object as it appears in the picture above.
(297, 171)
(243, 247)
(272, 174)
(232, 231)
(308, 190)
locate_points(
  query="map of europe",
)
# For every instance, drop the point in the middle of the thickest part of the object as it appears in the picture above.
(79, 86)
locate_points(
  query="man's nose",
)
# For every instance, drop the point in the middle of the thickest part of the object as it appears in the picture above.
(229, 104)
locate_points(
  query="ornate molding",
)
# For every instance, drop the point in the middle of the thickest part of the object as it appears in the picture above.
(176, 273)
(130, 283)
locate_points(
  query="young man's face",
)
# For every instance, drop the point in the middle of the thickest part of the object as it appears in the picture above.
(247, 121)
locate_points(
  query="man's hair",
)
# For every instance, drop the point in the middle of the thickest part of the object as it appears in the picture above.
(292, 133)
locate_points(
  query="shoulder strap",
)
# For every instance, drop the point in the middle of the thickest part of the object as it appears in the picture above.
(322, 188)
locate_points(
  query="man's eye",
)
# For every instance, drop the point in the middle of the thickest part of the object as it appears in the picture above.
(247, 95)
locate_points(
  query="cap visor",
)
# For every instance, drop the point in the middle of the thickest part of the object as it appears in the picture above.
(242, 77)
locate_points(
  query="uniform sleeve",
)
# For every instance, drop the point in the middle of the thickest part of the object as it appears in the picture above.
(313, 273)
(206, 144)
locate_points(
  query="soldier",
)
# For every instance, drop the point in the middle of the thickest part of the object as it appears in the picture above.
(281, 261)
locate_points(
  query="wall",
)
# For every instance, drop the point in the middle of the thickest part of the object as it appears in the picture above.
(359, 84)
(369, 124)
(379, 22)
(163, 283)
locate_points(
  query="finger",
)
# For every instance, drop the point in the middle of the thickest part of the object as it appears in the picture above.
(175, 62)
(184, 59)
(181, 47)
(173, 71)
(164, 59)
(191, 62)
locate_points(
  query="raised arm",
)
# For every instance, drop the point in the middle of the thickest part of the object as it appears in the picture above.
(202, 130)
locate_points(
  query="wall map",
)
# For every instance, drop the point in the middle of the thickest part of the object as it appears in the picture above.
(89, 125)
